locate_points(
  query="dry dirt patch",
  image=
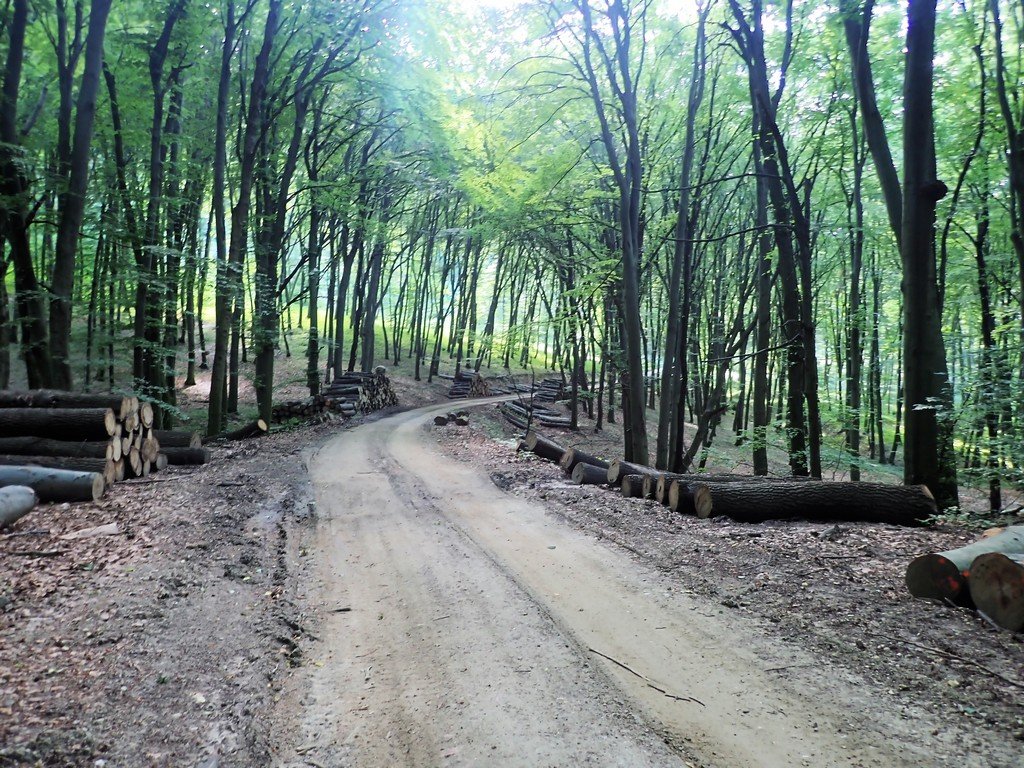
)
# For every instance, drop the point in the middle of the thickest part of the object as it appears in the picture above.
(164, 644)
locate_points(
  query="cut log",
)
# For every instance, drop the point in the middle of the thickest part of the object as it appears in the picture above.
(256, 428)
(540, 445)
(104, 466)
(574, 456)
(56, 398)
(589, 474)
(146, 414)
(854, 502)
(461, 421)
(160, 462)
(943, 575)
(58, 423)
(16, 501)
(649, 483)
(178, 439)
(149, 448)
(997, 588)
(618, 469)
(55, 484)
(186, 455)
(133, 463)
(41, 446)
(686, 498)
(632, 486)
(440, 421)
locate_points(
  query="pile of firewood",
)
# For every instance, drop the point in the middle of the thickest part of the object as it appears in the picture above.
(987, 575)
(69, 446)
(468, 385)
(523, 414)
(549, 391)
(744, 498)
(358, 391)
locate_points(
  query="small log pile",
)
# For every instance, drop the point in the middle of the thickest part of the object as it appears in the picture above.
(549, 391)
(523, 414)
(468, 385)
(318, 405)
(458, 418)
(946, 575)
(357, 391)
(71, 446)
(744, 498)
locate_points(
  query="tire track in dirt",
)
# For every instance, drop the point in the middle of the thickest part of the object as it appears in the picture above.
(484, 631)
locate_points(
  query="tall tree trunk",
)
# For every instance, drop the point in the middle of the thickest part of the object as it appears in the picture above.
(927, 449)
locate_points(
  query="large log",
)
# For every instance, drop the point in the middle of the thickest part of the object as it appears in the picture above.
(588, 474)
(256, 428)
(170, 438)
(997, 588)
(104, 466)
(855, 502)
(685, 497)
(41, 446)
(540, 445)
(56, 398)
(16, 501)
(619, 468)
(55, 484)
(943, 575)
(649, 483)
(58, 423)
(186, 455)
(632, 486)
(574, 456)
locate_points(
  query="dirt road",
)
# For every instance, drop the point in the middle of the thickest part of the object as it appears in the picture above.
(464, 626)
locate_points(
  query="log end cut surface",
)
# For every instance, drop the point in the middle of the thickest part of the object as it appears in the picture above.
(935, 577)
(997, 588)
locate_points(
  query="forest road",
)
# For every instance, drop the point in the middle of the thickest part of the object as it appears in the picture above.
(465, 626)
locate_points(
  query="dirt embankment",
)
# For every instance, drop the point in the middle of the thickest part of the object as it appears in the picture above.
(162, 645)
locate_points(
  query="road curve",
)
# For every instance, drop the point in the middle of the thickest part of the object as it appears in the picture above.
(465, 626)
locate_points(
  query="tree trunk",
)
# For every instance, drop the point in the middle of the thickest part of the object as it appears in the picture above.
(589, 474)
(58, 423)
(997, 588)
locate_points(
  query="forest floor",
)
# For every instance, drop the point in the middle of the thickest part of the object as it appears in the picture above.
(219, 626)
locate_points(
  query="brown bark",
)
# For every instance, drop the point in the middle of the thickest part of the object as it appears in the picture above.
(574, 456)
(177, 438)
(619, 468)
(540, 445)
(186, 456)
(57, 423)
(588, 474)
(41, 446)
(856, 502)
(56, 485)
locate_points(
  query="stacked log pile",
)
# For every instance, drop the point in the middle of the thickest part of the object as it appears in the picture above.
(467, 386)
(523, 414)
(549, 391)
(358, 391)
(70, 446)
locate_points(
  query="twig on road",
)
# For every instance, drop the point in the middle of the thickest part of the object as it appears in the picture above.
(650, 683)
